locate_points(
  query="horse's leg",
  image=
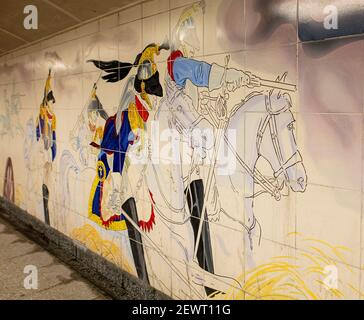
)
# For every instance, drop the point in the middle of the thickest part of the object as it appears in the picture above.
(45, 192)
(253, 234)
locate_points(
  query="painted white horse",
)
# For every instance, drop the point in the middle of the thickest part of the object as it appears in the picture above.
(263, 124)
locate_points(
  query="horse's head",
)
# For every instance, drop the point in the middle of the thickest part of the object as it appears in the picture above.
(277, 142)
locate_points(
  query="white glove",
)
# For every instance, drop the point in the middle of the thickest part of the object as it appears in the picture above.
(235, 78)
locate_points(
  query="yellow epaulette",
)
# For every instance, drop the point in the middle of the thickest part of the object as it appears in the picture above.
(42, 111)
(135, 120)
(99, 134)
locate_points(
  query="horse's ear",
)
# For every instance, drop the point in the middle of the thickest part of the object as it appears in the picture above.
(288, 98)
(284, 76)
(281, 79)
(278, 79)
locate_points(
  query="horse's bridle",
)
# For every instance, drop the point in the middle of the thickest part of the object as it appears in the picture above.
(270, 120)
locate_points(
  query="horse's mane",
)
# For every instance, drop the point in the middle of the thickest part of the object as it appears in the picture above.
(252, 103)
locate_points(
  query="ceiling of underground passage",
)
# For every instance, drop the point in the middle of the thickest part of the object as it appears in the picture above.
(53, 17)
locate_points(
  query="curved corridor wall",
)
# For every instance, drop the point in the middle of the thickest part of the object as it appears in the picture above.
(211, 149)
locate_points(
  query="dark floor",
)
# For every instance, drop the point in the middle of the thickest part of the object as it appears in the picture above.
(55, 279)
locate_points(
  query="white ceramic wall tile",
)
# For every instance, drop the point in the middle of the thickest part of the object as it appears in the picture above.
(65, 59)
(154, 7)
(130, 14)
(88, 29)
(22, 96)
(155, 29)
(180, 3)
(129, 38)
(327, 154)
(108, 44)
(90, 50)
(221, 29)
(49, 42)
(269, 25)
(67, 36)
(109, 22)
(68, 92)
(42, 63)
(275, 64)
(4, 73)
(325, 88)
(331, 215)
(17, 70)
(277, 218)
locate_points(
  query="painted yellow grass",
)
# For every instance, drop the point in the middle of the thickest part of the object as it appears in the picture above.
(90, 237)
(305, 276)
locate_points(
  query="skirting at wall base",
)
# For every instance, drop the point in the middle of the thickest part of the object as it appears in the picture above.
(102, 273)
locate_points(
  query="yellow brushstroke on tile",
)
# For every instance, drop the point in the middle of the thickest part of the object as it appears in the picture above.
(297, 278)
(90, 237)
(19, 197)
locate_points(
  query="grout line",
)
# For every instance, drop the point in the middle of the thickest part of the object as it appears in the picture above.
(361, 202)
(298, 129)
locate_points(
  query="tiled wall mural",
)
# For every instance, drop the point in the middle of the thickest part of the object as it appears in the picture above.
(212, 149)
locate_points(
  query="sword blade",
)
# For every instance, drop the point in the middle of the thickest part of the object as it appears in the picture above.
(278, 85)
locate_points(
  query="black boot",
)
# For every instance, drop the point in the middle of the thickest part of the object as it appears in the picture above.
(136, 240)
(195, 198)
(45, 203)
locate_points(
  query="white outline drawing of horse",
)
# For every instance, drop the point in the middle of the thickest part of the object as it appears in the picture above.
(264, 124)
